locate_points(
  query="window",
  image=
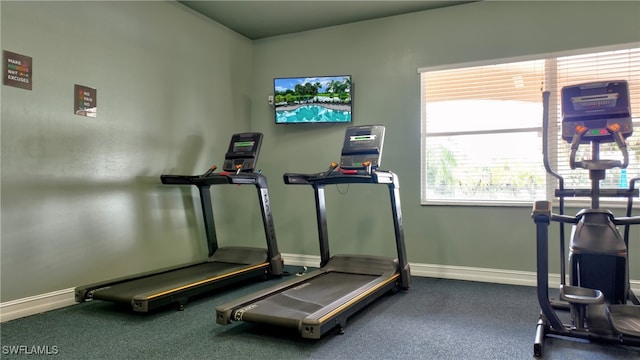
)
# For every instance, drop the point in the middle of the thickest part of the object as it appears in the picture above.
(482, 128)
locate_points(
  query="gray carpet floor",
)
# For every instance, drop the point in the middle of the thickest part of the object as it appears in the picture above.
(435, 319)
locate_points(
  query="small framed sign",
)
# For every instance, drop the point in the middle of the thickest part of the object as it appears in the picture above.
(18, 70)
(85, 101)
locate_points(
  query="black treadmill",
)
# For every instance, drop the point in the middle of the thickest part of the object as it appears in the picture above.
(225, 265)
(324, 299)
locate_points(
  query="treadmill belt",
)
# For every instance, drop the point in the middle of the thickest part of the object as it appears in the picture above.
(150, 285)
(287, 308)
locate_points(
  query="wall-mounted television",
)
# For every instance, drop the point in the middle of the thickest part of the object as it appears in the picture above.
(313, 99)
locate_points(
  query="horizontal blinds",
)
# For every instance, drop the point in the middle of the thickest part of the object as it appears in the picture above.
(482, 125)
(460, 100)
(610, 65)
(602, 66)
(482, 138)
(514, 81)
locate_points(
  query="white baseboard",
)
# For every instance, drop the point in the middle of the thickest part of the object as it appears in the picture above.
(37, 304)
(32, 305)
(301, 260)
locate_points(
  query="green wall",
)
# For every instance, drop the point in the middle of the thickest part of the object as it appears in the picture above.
(81, 197)
(383, 56)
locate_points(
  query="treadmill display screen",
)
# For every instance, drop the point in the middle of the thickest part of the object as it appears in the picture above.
(362, 140)
(362, 144)
(243, 146)
(243, 151)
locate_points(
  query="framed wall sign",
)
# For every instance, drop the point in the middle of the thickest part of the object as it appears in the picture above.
(85, 101)
(18, 70)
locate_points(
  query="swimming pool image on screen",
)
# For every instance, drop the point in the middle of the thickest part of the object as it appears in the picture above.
(326, 99)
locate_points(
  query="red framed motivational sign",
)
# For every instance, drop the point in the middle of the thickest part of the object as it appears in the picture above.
(17, 69)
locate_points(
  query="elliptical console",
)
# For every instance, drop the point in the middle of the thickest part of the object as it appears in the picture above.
(597, 106)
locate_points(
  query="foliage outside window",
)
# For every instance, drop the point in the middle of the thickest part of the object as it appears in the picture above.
(482, 127)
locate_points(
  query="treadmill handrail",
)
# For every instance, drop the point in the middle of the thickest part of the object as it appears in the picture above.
(318, 182)
(216, 179)
(376, 177)
(203, 183)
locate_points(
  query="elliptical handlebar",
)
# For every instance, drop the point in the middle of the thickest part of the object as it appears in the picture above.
(614, 130)
(598, 164)
(575, 144)
(545, 138)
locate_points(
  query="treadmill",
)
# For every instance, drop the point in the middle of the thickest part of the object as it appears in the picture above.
(225, 265)
(321, 300)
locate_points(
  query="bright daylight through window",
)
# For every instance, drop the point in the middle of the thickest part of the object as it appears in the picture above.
(482, 128)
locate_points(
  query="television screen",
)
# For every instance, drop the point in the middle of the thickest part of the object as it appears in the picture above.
(320, 99)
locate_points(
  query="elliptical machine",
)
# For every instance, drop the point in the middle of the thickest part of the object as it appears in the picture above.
(598, 304)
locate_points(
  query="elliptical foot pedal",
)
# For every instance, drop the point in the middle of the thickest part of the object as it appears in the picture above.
(625, 319)
(580, 295)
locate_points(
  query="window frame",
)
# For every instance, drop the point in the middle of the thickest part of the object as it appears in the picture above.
(554, 118)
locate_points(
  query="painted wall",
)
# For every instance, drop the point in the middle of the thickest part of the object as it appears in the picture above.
(81, 197)
(383, 56)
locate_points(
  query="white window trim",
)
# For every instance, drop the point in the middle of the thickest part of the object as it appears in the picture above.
(551, 182)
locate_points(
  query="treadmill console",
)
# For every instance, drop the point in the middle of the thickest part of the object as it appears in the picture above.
(361, 144)
(243, 152)
(596, 106)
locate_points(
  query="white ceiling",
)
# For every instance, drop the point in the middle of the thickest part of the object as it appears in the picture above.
(260, 19)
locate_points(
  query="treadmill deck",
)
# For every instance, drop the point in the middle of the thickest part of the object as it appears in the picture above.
(319, 300)
(164, 283)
